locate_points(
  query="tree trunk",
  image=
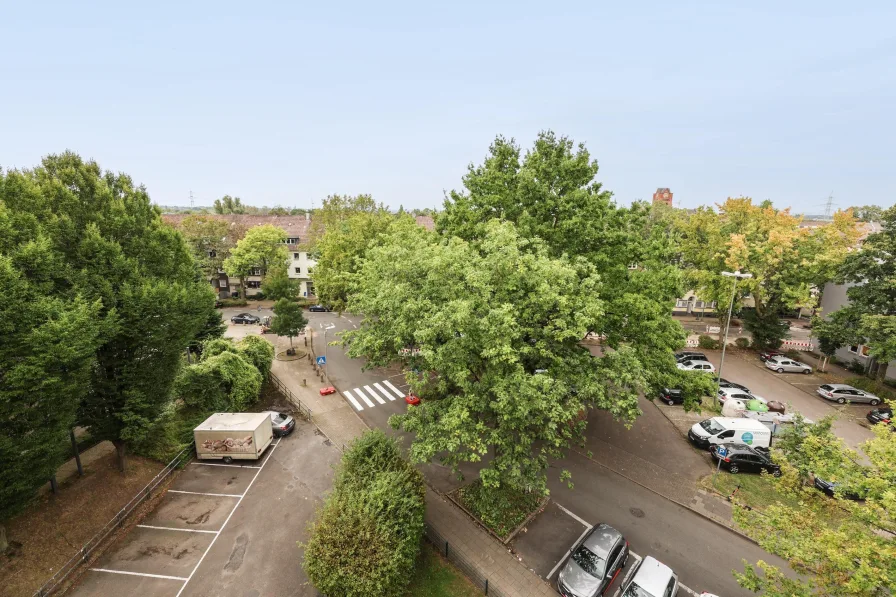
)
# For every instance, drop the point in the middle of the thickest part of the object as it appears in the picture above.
(290, 341)
(4, 544)
(120, 450)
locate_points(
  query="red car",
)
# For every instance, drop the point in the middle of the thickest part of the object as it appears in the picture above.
(412, 400)
(328, 390)
(767, 354)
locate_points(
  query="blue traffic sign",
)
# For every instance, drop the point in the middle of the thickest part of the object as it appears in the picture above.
(722, 451)
(321, 360)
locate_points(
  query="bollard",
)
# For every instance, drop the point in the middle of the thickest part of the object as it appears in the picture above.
(446, 550)
(304, 383)
(486, 586)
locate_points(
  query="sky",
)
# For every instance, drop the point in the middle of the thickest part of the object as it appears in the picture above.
(284, 103)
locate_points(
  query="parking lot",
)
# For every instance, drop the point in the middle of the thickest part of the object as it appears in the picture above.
(224, 529)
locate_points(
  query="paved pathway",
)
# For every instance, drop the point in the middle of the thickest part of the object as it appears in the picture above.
(339, 422)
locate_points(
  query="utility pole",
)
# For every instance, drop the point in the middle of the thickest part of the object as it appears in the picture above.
(828, 205)
(191, 199)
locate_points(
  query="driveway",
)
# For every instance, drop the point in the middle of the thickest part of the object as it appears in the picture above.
(225, 529)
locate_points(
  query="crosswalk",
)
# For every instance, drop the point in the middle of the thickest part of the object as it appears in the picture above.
(372, 395)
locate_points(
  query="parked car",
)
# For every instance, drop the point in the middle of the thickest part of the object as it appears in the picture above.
(725, 393)
(724, 383)
(730, 430)
(765, 355)
(671, 396)
(650, 578)
(841, 393)
(785, 323)
(880, 415)
(218, 304)
(697, 366)
(594, 564)
(318, 308)
(829, 488)
(281, 423)
(786, 365)
(245, 318)
(689, 355)
(742, 458)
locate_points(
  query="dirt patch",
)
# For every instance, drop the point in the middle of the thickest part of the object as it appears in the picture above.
(54, 527)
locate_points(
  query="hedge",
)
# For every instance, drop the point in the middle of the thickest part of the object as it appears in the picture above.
(707, 342)
(873, 386)
(366, 538)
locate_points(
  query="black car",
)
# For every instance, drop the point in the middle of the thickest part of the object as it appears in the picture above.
(742, 458)
(724, 383)
(829, 488)
(880, 415)
(765, 355)
(245, 318)
(318, 308)
(688, 355)
(671, 396)
(594, 563)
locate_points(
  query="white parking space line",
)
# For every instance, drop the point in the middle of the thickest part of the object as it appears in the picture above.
(374, 394)
(364, 397)
(148, 526)
(573, 515)
(138, 574)
(393, 388)
(383, 391)
(401, 375)
(235, 506)
(232, 465)
(351, 399)
(236, 495)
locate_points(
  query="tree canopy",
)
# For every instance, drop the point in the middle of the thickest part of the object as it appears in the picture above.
(262, 247)
(229, 205)
(211, 240)
(289, 319)
(337, 208)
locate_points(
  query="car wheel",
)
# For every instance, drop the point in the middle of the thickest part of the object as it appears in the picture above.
(780, 370)
(841, 400)
(875, 402)
(733, 469)
(776, 473)
(671, 402)
(228, 460)
(807, 371)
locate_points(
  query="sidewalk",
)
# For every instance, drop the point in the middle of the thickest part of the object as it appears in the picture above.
(337, 420)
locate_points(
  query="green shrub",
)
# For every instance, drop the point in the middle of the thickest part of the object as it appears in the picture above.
(502, 509)
(259, 351)
(875, 387)
(793, 354)
(220, 383)
(258, 296)
(233, 302)
(856, 366)
(367, 536)
(742, 342)
(707, 342)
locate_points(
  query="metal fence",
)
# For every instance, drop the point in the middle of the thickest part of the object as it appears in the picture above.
(303, 409)
(117, 521)
(470, 569)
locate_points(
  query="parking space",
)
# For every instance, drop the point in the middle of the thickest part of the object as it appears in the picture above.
(224, 529)
(547, 540)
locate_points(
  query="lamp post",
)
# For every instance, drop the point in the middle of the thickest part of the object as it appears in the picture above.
(737, 276)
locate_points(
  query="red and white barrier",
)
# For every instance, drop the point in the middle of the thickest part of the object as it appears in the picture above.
(792, 345)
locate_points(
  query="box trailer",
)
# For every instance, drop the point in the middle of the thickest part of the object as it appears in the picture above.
(233, 436)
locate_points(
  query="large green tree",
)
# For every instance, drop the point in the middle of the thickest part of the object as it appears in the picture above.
(110, 247)
(870, 315)
(211, 240)
(229, 205)
(289, 319)
(338, 208)
(788, 261)
(262, 247)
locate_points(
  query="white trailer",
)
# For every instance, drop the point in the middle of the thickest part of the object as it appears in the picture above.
(233, 436)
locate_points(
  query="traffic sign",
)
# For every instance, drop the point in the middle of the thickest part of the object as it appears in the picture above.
(722, 451)
(321, 360)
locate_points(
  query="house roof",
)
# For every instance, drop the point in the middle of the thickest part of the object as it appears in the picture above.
(662, 190)
(294, 226)
(426, 221)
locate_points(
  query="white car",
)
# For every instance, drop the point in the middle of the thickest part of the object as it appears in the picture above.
(785, 365)
(697, 366)
(726, 393)
(650, 578)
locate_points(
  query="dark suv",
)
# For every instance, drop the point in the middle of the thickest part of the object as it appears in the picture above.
(742, 458)
(671, 396)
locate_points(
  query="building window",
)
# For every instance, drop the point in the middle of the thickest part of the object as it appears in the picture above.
(212, 254)
(632, 266)
(310, 288)
(854, 348)
(253, 284)
(298, 270)
(295, 255)
(256, 271)
(309, 270)
(292, 240)
(222, 283)
(681, 303)
(865, 350)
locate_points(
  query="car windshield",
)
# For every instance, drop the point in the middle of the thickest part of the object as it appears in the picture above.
(278, 417)
(634, 590)
(590, 562)
(711, 427)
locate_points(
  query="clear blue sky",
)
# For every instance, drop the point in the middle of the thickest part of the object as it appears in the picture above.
(284, 103)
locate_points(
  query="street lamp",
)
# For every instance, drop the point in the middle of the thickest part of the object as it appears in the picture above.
(737, 276)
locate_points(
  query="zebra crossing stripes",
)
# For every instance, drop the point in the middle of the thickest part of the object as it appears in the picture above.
(373, 395)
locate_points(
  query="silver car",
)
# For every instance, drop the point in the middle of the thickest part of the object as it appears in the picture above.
(594, 564)
(843, 393)
(785, 365)
(650, 578)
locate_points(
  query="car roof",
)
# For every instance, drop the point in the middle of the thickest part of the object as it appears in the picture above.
(653, 576)
(840, 386)
(602, 539)
(740, 448)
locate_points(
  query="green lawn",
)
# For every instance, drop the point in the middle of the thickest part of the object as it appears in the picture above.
(435, 577)
(756, 491)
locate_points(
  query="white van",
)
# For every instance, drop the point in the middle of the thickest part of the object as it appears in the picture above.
(727, 430)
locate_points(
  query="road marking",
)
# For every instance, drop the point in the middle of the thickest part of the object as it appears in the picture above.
(375, 395)
(138, 574)
(351, 399)
(383, 391)
(236, 495)
(397, 375)
(364, 397)
(149, 526)
(235, 506)
(231, 465)
(393, 388)
(354, 326)
(573, 515)
(568, 551)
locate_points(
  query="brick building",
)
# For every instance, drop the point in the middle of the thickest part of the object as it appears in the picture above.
(663, 196)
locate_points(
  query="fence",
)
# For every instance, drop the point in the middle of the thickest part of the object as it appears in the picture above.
(117, 521)
(303, 409)
(470, 569)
